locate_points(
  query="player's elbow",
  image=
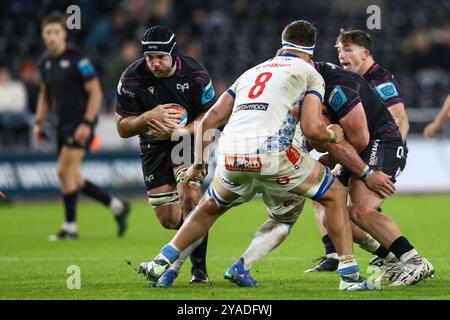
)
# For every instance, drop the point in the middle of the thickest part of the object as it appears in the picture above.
(312, 131)
(361, 142)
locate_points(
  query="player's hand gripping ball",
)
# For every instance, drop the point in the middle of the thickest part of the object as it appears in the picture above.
(182, 111)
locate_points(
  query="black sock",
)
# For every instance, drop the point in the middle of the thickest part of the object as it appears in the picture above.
(400, 246)
(70, 203)
(96, 193)
(328, 244)
(382, 252)
(198, 256)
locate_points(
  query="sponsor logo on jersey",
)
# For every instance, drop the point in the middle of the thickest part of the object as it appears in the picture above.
(182, 87)
(208, 93)
(243, 163)
(121, 89)
(275, 65)
(252, 106)
(387, 90)
(86, 68)
(149, 178)
(373, 153)
(337, 98)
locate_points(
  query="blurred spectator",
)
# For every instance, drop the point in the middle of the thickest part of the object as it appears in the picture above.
(420, 56)
(129, 52)
(29, 73)
(14, 122)
(13, 95)
(442, 48)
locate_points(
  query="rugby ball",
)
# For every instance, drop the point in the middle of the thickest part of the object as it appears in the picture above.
(182, 111)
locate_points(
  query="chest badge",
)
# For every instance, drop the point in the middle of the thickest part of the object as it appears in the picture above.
(64, 64)
(151, 89)
(182, 87)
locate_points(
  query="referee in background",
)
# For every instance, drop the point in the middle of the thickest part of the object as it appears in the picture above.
(71, 88)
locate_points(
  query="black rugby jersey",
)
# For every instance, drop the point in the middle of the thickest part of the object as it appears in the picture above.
(65, 76)
(345, 89)
(139, 90)
(384, 83)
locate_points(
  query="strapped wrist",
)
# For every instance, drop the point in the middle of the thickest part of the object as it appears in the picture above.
(365, 173)
(88, 122)
(331, 136)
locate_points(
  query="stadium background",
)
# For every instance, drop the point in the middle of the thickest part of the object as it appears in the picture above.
(227, 36)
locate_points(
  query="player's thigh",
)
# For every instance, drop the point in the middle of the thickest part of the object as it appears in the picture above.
(70, 160)
(283, 207)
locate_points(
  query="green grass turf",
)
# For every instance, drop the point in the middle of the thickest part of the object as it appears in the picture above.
(33, 268)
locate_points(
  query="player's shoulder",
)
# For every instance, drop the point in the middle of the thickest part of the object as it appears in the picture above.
(134, 71)
(187, 65)
(334, 74)
(378, 74)
(74, 53)
(43, 58)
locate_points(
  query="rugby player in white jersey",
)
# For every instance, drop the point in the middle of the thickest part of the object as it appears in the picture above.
(261, 110)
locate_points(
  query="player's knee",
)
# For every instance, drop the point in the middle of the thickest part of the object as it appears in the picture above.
(169, 222)
(358, 214)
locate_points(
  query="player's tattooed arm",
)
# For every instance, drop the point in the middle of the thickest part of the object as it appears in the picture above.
(218, 115)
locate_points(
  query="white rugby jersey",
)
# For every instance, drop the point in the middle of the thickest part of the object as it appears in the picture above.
(266, 106)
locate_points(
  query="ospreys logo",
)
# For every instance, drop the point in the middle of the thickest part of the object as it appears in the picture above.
(182, 87)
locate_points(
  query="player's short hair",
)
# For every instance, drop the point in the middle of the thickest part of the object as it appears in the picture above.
(55, 17)
(358, 37)
(300, 32)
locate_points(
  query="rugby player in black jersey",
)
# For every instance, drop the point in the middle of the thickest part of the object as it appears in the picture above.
(370, 128)
(71, 88)
(355, 54)
(147, 87)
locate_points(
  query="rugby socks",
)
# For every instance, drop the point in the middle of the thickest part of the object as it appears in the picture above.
(371, 245)
(330, 249)
(176, 266)
(382, 252)
(269, 236)
(93, 191)
(70, 203)
(348, 267)
(198, 255)
(169, 253)
(400, 246)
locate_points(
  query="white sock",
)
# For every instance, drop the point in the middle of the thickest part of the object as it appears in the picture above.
(116, 206)
(70, 227)
(391, 257)
(408, 255)
(370, 244)
(269, 236)
(333, 255)
(176, 266)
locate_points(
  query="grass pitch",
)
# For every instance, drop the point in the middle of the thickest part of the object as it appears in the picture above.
(33, 268)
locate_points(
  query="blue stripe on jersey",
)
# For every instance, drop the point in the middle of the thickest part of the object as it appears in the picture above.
(231, 93)
(317, 93)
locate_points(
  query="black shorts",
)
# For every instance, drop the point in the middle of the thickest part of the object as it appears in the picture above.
(388, 156)
(64, 136)
(158, 162)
